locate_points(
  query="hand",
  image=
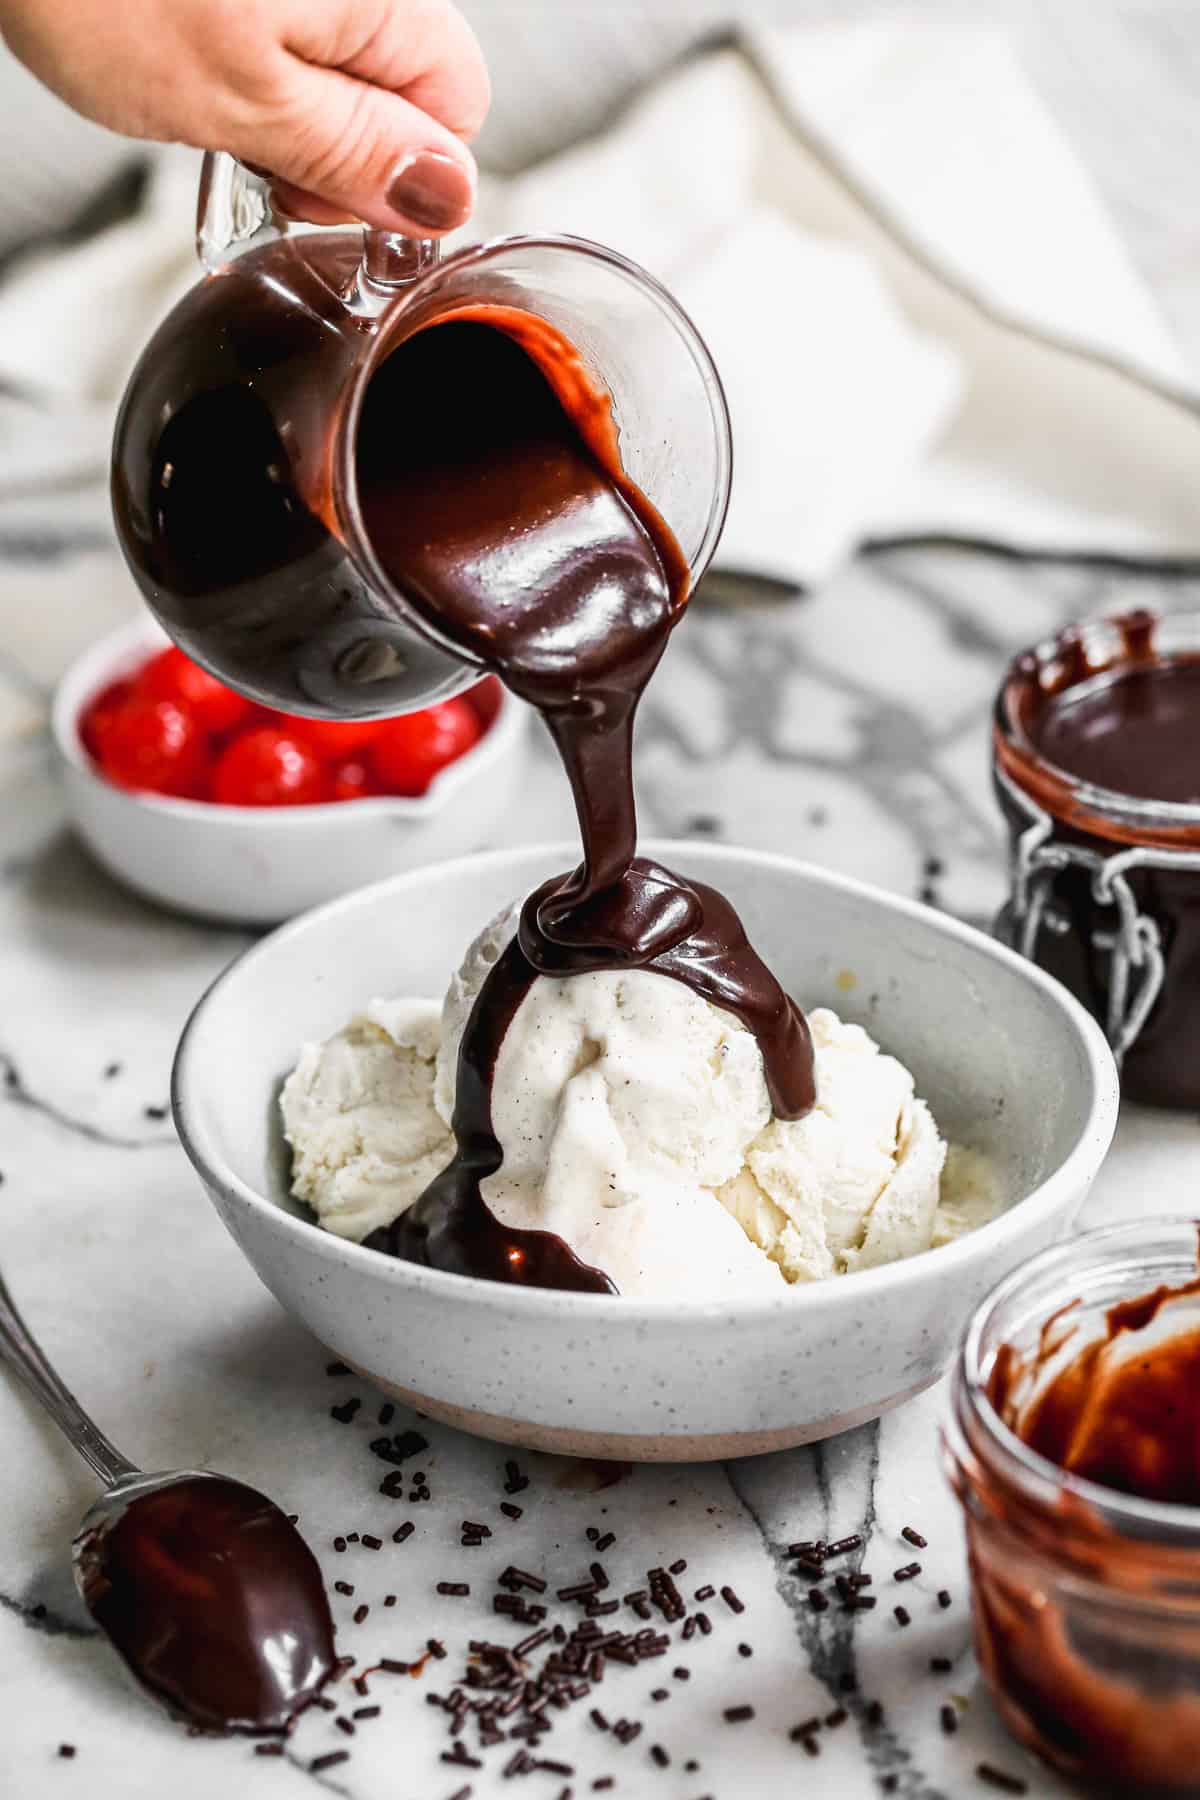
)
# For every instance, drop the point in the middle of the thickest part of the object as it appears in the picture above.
(358, 108)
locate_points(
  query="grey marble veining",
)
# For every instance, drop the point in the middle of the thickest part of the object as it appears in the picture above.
(850, 728)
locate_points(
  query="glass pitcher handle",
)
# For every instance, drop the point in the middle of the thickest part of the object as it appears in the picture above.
(235, 215)
(234, 211)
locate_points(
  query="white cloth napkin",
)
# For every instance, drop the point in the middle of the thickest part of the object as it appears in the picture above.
(923, 318)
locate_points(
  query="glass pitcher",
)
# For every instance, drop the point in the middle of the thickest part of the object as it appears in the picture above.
(234, 468)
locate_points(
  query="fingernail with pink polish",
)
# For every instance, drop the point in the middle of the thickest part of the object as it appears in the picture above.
(432, 189)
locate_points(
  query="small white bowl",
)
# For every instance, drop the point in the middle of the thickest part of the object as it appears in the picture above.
(1009, 1061)
(261, 864)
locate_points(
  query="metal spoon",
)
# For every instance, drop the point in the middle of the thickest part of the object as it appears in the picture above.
(204, 1586)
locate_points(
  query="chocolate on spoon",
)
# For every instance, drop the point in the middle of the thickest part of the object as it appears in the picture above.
(208, 1592)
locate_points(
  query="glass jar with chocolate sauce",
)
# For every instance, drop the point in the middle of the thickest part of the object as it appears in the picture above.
(1074, 1449)
(1096, 761)
(272, 395)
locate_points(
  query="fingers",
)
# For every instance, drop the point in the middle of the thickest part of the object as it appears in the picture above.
(295, 203)
(364, 152)
(423, 50)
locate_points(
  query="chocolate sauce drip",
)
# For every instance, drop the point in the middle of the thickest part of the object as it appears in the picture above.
(215, 1601)
(506, 517)
(451, 1226)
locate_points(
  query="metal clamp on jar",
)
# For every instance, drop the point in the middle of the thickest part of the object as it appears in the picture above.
(1105, 879)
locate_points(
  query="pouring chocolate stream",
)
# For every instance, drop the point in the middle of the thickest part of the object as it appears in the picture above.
(508, 520)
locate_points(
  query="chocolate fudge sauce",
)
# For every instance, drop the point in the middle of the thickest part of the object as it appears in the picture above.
(1121, 1413)
(506, 517)
(1135, 730)
(1086, 1629)
(215, 1602)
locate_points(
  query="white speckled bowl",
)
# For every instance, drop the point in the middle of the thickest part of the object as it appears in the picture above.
(1009, 1061)
(260, 864)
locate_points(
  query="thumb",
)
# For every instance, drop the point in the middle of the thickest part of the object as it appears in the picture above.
(365, 152)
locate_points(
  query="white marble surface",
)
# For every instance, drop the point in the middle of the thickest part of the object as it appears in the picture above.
(850, 728)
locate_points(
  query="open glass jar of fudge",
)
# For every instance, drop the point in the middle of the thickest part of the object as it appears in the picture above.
(1072, 1446)
(1096, 751)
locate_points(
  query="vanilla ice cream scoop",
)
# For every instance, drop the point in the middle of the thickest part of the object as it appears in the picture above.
(636, 1125)
(358, 1113)
(856, 1181)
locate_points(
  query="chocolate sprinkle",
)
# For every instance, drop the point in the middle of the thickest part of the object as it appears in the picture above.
(360, 1613)
(745, 1650)
(736, 1715)
(259, 1750)
(949, 1720)
(659, 1755)
(903, 1616)
(907, 1572)
(914, 1537)
(705, 1593)
(403, 1531)
(346, 1411)
(731, 1600)
(330, 1760)
(943, 1598)
(509, 1510)
(68, 1750)
(1000, 1778)
(371, 1543)
(367, 1712)
(460, 1757)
